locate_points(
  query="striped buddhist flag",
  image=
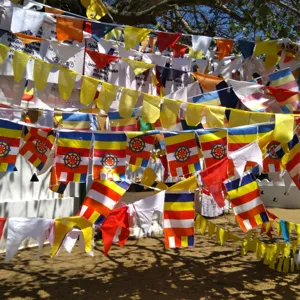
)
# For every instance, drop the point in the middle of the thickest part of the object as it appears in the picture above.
(213, 145)
(182, 153)
(56, 186)
(10, 138)
(101, 199)
(72, 156)
(179, 213)
(109, 156)
(80, 121)
(211, 98)
(139, 149)
(247, 205)
(37, 146)
(117, 123)
(284, 79)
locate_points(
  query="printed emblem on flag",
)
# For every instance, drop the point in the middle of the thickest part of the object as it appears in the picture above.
(213, 145)
(182, 153)
(139, 148)
(101, 199)
(245, 199)
(72, 156)
(109, 156)
(179, 215)
(10, 137)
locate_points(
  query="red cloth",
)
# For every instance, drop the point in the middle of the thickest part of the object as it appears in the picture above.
(281, 95)
(167, 40)
(2, 223)
(213, 178)
(117, 218)
(179, 50)
(101, 60)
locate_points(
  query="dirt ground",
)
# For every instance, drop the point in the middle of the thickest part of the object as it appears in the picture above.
(144, 269)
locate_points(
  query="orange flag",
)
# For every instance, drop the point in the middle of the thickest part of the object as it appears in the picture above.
(27, 39)
(52, 10)
(179, 50)
(224, 48)
(69, 28)
(208, 82)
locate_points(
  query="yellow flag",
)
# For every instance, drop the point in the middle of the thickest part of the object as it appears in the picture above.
(202, 225)
(106, 96)
(169, 112)
(151, 108)
(194, 113)
(19, 64)
(127, 102)
(290, 226)
(260, 118)
(41, 72)
(284, 129)
(3, 53)
(162, 186)
(211, 228)
(137, 67)
(238, 118)
(265, 140)
(280, 263)
(215, 116)
(66, 81)
(195, 54)
(134, 35)
(115, 33)
(189, 184)
(270, 49)
(148, 177)
(64, 225)
(95, 9)
(88, 90)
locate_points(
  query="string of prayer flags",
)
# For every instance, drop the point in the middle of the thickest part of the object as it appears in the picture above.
(37, 146)
(208, 82)
(101, 59)
(245, 199)
(73, 121)
(224, 47)
(182, 153)
(139, 149)
(137, 67)
(10, 138)
(109, 156)
(179, 213)
(56, 186)
(213, 178)
(211, 98)
(284, 79)
(167, 40)
(101, 199)
(117, 123)
(134, 35)
(69, 28)
(213, 145)
(72, 156)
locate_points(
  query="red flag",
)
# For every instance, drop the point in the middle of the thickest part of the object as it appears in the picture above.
(100, 59)
(117, 218)
(282, 95)
(2, 223)
(224, 48)
(167, 40)
(179, 50)
(213, 178)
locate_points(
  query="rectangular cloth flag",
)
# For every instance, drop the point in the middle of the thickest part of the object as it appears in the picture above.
(211, 98)
(10, 138)
(55, 186)
(247, 205)
(72, 156)
(37, 146)
(182, 153)
(284, 79)
(139, 149)
(213, 145)
(80, 121)
(117, 123)
(101, 199)
(109, 156)
(179, 213)
(158, 126)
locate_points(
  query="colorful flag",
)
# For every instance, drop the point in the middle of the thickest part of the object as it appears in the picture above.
(182, 153)
(245, 199)
(117, 123)
(158, 126)
(139, 149)
(208, 82)
(211, 98)
(101, 199)
(72, 156)
(109, 156)
(179, 213)
(55, 186)
(74, 121)
(37, 146)
(10, 137)
(213, 145)
(167, 40)
(284, 79)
